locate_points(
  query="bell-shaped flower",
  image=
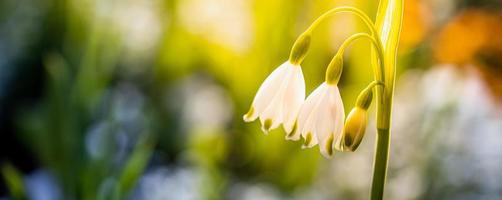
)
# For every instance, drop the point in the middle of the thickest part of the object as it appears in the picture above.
(279, 98)
(281, 95)
(321, 118)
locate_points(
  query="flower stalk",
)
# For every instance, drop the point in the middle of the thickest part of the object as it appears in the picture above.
(388, 22)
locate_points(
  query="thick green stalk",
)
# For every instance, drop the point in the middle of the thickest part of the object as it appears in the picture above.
(388, 23)
(380, 164)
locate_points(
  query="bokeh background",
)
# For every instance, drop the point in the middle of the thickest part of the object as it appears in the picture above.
(143, 99)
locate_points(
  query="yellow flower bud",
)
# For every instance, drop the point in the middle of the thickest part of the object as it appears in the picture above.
(353, 133)
(355, 125)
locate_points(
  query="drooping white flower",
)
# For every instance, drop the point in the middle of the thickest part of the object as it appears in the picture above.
(321, 118)
(279, 98)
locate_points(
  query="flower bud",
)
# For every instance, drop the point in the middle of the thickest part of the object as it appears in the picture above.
(300, 48)
(355, 127)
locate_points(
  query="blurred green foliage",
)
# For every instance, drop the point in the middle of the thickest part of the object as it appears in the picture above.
(85, 59)
(110, 111)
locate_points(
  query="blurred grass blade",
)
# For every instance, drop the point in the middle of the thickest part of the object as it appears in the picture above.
(135, 165)
(14, 182)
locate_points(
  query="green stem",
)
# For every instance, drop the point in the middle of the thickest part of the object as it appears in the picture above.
(380, 164)
(388, 22)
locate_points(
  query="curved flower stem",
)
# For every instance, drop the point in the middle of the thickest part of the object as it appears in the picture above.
(367, 21)
(362, 100)
(380, 73)
(379, 70)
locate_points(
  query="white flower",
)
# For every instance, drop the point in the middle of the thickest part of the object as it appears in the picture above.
(279, 98)
(321, 118)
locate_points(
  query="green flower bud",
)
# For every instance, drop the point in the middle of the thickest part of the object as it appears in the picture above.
(334, 70)
(300, 48)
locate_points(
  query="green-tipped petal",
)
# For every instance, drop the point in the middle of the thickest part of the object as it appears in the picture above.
(328, 147)
(294, 134)
(308, 140)
(267, 124)
(248, 117)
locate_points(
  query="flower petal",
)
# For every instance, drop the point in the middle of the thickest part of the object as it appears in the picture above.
(293, 99)
(325, 125)
(307, 116)
(330, 120)
(340, 117)
(274, 110)
(266, 92)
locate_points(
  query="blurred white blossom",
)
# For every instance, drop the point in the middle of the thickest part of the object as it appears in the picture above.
(246, 191)
(169, 184)
(202, 104)
(140, 24)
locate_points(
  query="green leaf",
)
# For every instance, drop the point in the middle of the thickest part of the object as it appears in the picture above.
(388, 22)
